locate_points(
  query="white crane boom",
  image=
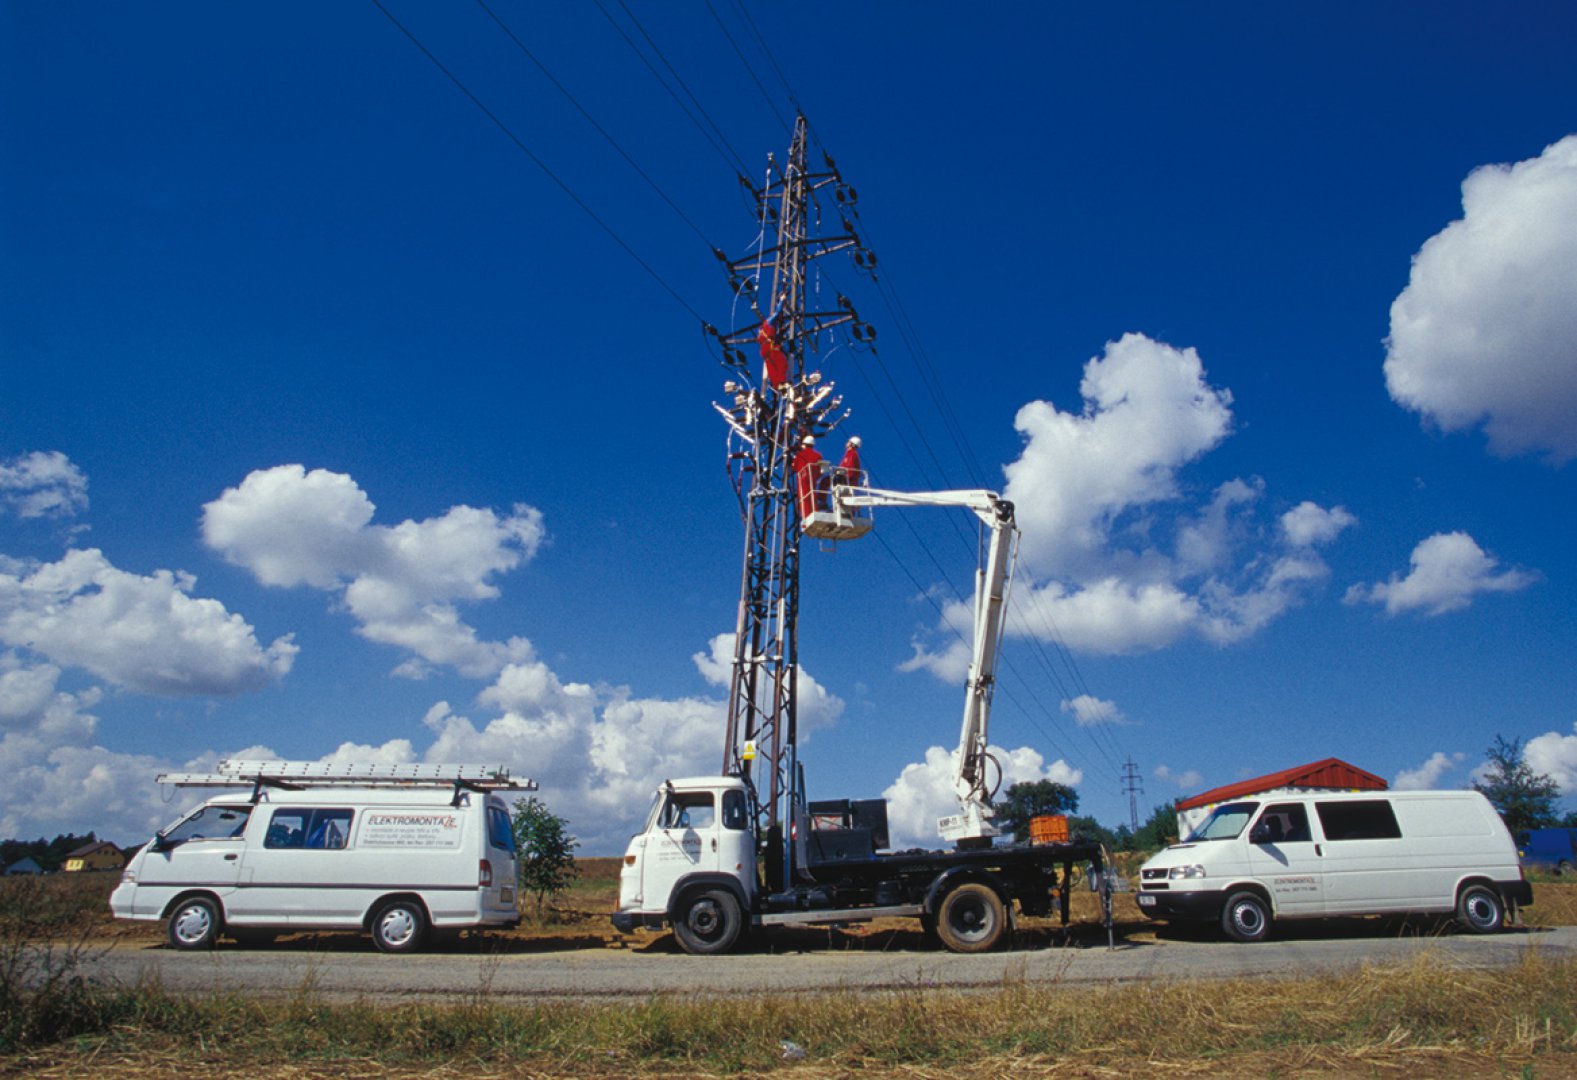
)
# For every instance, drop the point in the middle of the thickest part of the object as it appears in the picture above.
(970, 783)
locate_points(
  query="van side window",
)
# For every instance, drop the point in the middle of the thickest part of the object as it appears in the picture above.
(1282, 823)
(1369, 819)
(688, 810)
(298, 827)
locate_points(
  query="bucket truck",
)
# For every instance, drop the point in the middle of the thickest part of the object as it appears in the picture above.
(703, 865)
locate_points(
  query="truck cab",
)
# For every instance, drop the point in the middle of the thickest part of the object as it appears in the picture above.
(693, 864)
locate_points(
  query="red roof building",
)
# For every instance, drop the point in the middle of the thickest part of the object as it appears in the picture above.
(1331, 774)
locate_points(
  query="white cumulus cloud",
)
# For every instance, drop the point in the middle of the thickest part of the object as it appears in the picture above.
(1118, 555)
(42, 484)
(1554, 755)
(1088, 711)
(1427, 775)
(923, 792)
(402, 583)
(1486, 329)
(144, 632)
(1446, 571)
(1187, 779)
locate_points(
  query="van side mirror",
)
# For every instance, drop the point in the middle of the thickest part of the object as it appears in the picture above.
(1259, 834)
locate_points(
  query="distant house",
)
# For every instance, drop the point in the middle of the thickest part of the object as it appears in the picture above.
(1331, 774)
(100, 855)
(25, 865)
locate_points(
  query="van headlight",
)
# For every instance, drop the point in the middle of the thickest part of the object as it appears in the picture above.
(1194, 871)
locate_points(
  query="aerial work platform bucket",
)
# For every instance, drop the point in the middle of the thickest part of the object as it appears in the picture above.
(837, 523)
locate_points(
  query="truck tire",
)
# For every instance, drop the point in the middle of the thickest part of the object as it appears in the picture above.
(1480, 910)
(971, 919)
(708, 922)
(1246, 917)
(194, 923)
(399, 927)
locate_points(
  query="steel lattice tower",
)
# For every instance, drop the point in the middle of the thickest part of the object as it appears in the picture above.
(768, 424)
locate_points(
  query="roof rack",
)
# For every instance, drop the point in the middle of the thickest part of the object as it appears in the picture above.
(300, 775)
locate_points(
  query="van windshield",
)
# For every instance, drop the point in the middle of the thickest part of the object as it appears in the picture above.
(210, 823)
(1226, 822)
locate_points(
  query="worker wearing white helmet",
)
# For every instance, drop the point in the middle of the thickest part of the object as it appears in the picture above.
(807, 467)
(849, 470)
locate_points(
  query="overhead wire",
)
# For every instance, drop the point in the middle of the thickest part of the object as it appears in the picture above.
(541, 164)
(633, 164)
(750, 70)
(724, 150)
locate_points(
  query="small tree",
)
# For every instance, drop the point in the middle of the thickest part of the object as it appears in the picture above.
(1030, 799)
(1159, 829)
(1525, 799)
(544, 849)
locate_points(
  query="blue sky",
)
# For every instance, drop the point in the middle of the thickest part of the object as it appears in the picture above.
(331, 425)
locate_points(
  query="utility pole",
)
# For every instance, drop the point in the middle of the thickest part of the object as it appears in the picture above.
(775, 400)
(1133, 787)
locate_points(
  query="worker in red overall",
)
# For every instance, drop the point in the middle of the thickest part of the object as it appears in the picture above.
(849, 471)
(807, 466)
(772, 353)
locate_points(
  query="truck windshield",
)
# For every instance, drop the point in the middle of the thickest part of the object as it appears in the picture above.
(1226, 822)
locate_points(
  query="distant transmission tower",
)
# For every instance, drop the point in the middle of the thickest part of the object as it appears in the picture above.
(775, 402)
(1133, 787)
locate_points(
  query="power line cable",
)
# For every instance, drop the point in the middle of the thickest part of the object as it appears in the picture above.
(680, 80)
(551, 175)
(593, 122)
(752, 71)
(724, 150)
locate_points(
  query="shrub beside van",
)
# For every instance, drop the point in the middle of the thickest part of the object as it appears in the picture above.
(1256, 860)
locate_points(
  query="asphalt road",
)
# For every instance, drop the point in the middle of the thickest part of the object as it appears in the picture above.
(349, 969)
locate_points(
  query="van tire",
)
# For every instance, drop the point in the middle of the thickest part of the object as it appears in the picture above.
(194, 923)
(708, 922)
(1480, 909)
(1246, 917)
(399, 927)
(971, 919)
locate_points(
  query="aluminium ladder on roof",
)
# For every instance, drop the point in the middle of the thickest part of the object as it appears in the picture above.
(305, 774)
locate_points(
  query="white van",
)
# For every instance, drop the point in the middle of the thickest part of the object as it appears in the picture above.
(398, 851)
(1353, 853)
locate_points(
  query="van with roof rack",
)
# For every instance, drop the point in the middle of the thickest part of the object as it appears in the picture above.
(400, 852)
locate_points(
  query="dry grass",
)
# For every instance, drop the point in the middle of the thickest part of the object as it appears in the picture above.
(1427, 1018)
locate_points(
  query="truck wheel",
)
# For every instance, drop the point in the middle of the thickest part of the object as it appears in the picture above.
(709, 922)
(194, 923)
(399, 927)
(971, 919)
(1479, 909)
(1246, 917)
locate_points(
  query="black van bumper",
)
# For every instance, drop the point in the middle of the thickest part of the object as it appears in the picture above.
(1202, 904)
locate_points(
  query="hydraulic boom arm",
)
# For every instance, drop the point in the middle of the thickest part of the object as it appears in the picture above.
(970, 781)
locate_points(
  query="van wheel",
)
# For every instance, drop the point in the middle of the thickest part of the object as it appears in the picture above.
(1246, 917)
(399, 927)
(1479, 909)
(194, 924)
(709, 922)
(971, 919)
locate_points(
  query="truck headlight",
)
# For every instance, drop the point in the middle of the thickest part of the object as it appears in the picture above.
(1195, 871)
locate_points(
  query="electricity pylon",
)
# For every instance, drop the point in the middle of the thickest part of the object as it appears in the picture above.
(777, 399)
